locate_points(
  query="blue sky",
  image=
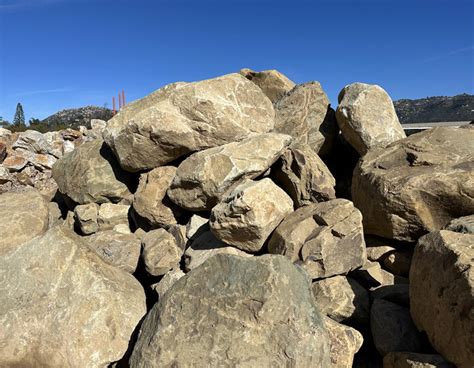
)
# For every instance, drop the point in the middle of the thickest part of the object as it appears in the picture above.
(57, 54)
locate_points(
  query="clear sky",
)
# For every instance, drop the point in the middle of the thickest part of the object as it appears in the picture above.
(57, 54)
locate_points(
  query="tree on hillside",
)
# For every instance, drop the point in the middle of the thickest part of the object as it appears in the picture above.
(19, 119)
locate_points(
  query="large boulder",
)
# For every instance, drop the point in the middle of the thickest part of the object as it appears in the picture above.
(234, 311)
(367, 117)
(90, 174)
(416, 185)
(151, 202)
(305, 114)
(273, 83)
(304, 176)
(247, 216)
(62, 306)
(327, 238)
(24, 215)
(181, 118)
(442, 293)
(206, 176)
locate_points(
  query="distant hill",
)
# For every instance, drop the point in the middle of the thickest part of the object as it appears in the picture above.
(73, 118)
(432, 109)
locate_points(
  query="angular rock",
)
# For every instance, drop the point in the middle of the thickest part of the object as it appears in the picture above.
(14, 162)
(464, 225)
(151, 201)
(161, 252)
(55, 144)
(379, 253)
(367, 117)
(416, 185)
(206, 246)
(205, 177)
(344, 342)
(182, 118)
(393, 329)
(196, 226)
(220, 315)
(111, 215)
(53, 283)
(327, 238)
(90, 174)
(304, 176)
(24, 215)
(168, 280)
(97, 124)
(273, 83)
(414, 360)
(5, 176)
(305, 114)
(442, 293)
(117, 249)
(248, 215)
(342, 299)
(372, 276)
(33, 141)
(86, 218)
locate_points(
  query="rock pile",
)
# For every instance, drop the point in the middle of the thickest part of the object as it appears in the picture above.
(239, 221)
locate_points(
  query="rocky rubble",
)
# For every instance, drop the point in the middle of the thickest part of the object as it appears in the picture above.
(228, 222)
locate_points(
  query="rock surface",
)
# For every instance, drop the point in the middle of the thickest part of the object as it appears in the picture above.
(367, 117)
(416, 185)
(24, 215)
(89, 174)
(248, 215)
(52, 283)
(217, 315)
(151, 201)
(181, 118)
(442, 293)
(344, 342)
(111, 215)
(161, 252)
(463, 225)
(86, 216)
(326, 237)
(205, 177)
(273, 83)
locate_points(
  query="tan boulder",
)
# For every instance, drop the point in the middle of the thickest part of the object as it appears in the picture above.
(161, 252)
(273, 83)
(247, 216)
(442, 293)
(24, 215)
(167, 281)
(90, 174)
(205, 177)
(326, 238)
(305, 114)
(367, 117)
(304, 176)
(63, 306)
(86, 218)
(181, 118)
(111, 215)
(151, 202)
(344, 342)
(416, 185)
(236, 312)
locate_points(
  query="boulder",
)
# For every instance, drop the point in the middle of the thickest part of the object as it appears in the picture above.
(24, 215)
(90, 174)
(367, 117)
(416, 185)
(273, 83)
(196, 226)
(14, 162)
(206, 246)
(86, 218)
(182, 118)
(305, 113)
(344, 342)
(442, 293)
(304, 176)
(371, 276)
(111, 214)
(33, 141)
(63, 306)
(168, 280)
(116, 248)
(161, 252)
(464, 225)
(151, 202)
(342, 299)
(327, 238)
(205, 177)
(248, 215)
(414, 360)
(220, 315)
(393, 329)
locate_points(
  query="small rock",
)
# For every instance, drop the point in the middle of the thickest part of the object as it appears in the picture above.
(161, 252)
(196, 226)
(372, 276)
(86, 218)
(344, 342)
(111, 214)
(168, 280)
